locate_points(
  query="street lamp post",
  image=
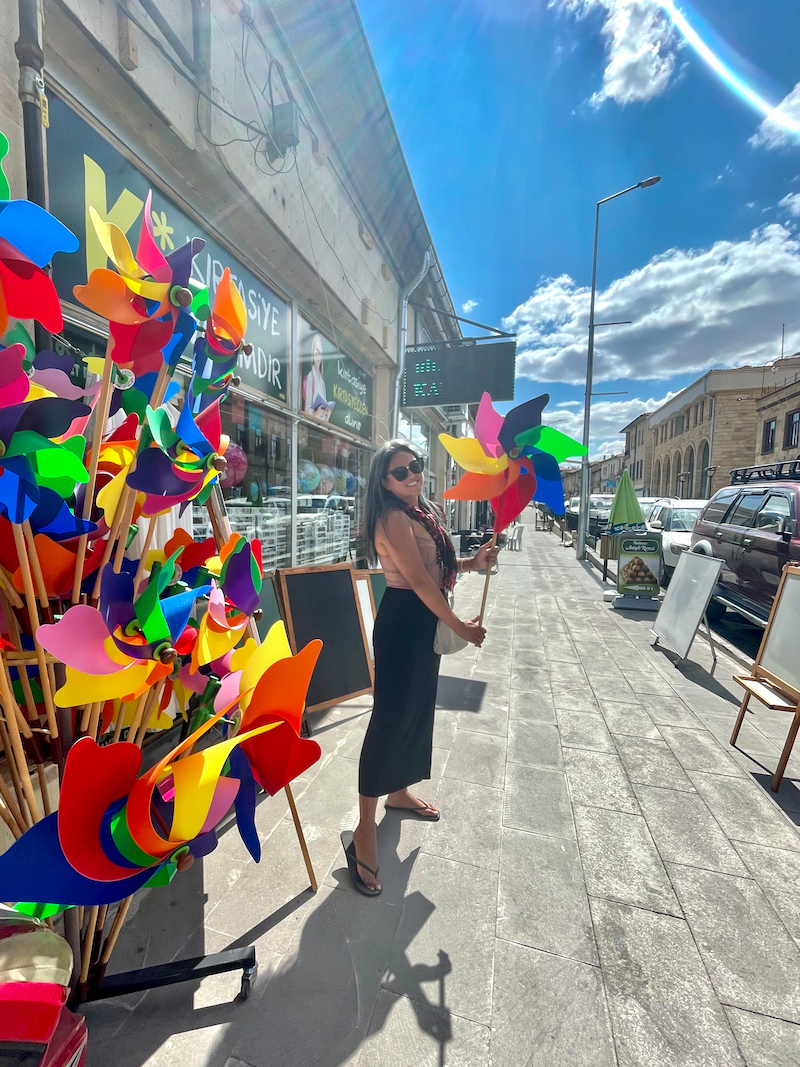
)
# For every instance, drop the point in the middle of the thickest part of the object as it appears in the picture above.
(583, 512)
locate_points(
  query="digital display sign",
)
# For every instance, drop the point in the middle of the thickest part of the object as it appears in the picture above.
(459, 374)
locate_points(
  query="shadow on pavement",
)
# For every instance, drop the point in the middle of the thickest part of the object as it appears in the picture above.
(460, 694)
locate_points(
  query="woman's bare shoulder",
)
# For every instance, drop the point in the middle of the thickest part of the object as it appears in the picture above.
(393, 522)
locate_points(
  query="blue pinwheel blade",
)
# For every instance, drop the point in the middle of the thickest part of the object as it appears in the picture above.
(549, 488)
(521, 418)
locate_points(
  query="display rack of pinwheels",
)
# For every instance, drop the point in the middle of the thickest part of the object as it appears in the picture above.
(102, 646)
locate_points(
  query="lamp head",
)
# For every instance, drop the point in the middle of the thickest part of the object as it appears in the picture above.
(647, 182)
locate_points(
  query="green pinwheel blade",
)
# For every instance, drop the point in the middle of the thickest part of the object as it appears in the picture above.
(56, 467)
(546, 439)
(626, 509)
(160, 428)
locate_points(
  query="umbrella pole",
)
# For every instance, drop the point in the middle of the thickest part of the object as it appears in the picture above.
(492, 543)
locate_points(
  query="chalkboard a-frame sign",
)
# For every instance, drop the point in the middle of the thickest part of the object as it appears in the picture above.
(322, 603)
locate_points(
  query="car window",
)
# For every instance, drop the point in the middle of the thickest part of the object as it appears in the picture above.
(746, 507)
(682, 519)
(772, 517)
(719, 504)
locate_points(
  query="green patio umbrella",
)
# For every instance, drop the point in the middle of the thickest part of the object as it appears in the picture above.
(626, 511)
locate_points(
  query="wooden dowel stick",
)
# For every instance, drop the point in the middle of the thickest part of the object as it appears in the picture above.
(30, 600)
(88, 944)
(101, 410)
(8, 588)
(113, 933)
(43, 789)
(125, 527)
(94, 719)
(486, 583)
(18, 809)
(301, 838)
(36, 568)
(118, 721)
(12, 716)
(10, 822)
(151, 529)
(14, 810)
(153, 699)
(109, 545)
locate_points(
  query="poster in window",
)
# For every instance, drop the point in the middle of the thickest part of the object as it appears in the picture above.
(333, 388)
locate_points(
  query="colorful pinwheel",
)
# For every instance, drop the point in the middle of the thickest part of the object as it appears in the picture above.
(511, 461)
(117, 830)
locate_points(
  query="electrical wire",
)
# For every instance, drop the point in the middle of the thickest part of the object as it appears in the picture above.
(256, 133)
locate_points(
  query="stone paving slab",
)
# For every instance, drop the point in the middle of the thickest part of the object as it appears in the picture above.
(610, 884)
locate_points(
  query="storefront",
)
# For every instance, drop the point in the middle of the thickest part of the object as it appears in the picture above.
(300, 421)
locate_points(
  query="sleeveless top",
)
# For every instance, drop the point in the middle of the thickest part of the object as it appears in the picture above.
(430, 557)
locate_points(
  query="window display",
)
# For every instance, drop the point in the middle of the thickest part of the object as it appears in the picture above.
(331, 484)
(256, 482)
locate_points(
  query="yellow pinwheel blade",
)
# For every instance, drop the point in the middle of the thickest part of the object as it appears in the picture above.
(468, 453)
(275, 647)
(82, 688)
(195, 778)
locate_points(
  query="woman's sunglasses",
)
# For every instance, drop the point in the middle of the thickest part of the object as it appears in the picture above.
(416, 466)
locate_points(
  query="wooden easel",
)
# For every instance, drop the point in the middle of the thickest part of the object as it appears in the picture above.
(222, 532)
(768, 688)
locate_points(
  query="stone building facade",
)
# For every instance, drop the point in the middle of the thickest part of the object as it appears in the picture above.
(705, 431)
(638, 455)
(778, 427)
(289, 168)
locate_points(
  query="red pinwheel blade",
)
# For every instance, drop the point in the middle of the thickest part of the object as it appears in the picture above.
(472, 486)
(513, 501)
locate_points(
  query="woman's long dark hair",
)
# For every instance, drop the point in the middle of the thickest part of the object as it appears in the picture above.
(380, 500)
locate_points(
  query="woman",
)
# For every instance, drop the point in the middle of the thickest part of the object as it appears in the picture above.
(315, 399)
(420, 564)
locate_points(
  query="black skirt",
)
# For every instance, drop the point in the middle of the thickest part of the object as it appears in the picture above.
(399, 740)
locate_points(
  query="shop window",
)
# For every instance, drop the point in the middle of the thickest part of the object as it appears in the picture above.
(256, 484)
(791, 435)
(332, 477)
(768, 440)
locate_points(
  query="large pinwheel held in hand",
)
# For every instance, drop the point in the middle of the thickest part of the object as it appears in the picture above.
(511, 461)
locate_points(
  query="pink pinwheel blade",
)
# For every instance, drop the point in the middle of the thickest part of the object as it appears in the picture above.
(78, 640)
(488, 424)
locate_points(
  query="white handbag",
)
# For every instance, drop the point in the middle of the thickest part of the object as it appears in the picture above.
(447, 641)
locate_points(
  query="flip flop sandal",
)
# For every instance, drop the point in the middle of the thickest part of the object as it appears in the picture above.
(416, 812)
(353, 864)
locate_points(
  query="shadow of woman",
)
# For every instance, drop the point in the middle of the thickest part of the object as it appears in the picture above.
(326, 995)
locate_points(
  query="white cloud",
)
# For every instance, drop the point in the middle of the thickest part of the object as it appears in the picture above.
(469, 305)
(691, 309)
(791, 203)
(641, 47)
(608, 418)
(772, 133)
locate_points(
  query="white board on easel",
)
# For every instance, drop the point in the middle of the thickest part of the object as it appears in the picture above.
(686, 602)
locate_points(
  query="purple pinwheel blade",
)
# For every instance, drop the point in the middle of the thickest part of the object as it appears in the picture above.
(522, 417)
(238, 584)
(156, 476)
(51, 416)
(180, 260)
(48, 360)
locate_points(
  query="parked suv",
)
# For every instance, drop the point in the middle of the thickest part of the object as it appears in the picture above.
(751, 525)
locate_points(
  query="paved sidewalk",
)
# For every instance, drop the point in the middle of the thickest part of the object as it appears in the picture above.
(610, 882)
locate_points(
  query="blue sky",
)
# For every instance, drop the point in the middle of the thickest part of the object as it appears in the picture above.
(516, 116)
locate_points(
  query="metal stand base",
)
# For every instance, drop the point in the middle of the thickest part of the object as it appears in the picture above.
(636, 603)
(232, 959)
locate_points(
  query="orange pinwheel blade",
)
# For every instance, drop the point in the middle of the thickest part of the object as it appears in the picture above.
(483, 486)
